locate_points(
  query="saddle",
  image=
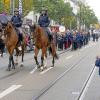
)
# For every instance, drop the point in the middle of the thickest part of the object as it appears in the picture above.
(20, 36)
(49, 35)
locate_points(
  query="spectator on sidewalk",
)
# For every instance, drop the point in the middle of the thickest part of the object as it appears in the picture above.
(97, 63)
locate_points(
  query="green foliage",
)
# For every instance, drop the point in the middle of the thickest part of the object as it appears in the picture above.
(86, 15)
(1, 6)
(59, 11)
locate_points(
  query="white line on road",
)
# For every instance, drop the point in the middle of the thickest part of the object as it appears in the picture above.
(9, 90)
(87, 85)
(88, 46)
(33, 70)
(46, 70)
(69, 57)
(75, 93)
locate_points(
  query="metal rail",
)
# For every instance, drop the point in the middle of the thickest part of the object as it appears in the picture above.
(43, 91)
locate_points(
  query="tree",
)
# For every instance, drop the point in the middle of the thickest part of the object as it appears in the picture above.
(1, 6)
(86, 15)
(7, 6)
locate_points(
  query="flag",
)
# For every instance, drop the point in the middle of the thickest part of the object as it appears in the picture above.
(20, 7)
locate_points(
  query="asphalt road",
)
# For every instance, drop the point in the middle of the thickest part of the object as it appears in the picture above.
(66, 81)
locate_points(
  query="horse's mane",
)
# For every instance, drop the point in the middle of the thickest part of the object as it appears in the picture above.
(9, 28)
(37, 29)
(10, 24)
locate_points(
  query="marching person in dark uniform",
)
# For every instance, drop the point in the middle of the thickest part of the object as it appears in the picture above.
(78, 38)
(17, 22)
(60, 41)
(74, 41)
(44, 22)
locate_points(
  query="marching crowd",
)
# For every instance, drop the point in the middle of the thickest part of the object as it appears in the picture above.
(74, 39)
(70, 39)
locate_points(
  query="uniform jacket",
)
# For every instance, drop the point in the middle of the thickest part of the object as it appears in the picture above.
(43, 21)
(17, 21)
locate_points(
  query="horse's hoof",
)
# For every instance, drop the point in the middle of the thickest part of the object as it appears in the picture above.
(41, 68)
(8, 69)
(44, 67)
(13, 67)
(52, 66)
(16, 64)
(38, 66)
(21, 65)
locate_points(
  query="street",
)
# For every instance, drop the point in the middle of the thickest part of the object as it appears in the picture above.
(74, 77)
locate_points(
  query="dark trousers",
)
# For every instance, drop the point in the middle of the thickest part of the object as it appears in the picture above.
(60, 44)
(99, 70)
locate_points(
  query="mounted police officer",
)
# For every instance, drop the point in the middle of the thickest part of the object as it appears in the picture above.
(44, 22)
(17, 22)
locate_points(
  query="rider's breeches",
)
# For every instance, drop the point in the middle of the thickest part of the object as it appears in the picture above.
(20, 30)
(20, 34)
(46, 29)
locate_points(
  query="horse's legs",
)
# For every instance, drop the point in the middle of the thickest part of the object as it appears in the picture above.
(42, 59)
(53, 61)
(54, 55)
(2, 52)
(13, 64)
(22, 55)
(17, 53)
(10, 50)
(9, 65)
(44, 56)
(36, 51)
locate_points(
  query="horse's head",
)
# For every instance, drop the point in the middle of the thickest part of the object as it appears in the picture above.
(36, 31)
(32, 28)
(8, 28)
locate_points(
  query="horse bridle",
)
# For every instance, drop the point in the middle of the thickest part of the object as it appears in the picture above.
(2, 29)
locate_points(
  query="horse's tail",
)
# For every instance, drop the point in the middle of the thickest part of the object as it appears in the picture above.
(54, 54)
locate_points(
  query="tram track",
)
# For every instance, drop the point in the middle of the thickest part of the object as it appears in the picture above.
(43, 91)
(86, 84)
(81, 93)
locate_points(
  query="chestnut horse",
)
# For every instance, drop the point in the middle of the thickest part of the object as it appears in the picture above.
(11, 42)
(42, 42)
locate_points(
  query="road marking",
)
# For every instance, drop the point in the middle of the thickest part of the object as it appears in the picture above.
(69, 57)
(46, 70)
(87, 85)
(9, 90)
(88, 46)
(75, 93)
(33, 70)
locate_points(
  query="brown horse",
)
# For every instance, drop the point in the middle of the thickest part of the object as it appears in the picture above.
(42, 42)
(11, 43)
